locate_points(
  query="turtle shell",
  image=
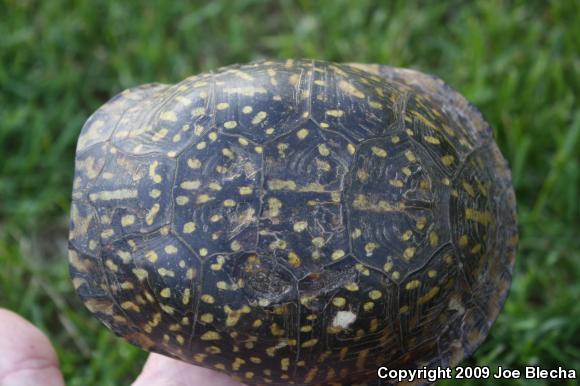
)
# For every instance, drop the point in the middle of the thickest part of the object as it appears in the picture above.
(295, 222)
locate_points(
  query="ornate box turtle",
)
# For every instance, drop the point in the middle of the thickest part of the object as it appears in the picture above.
(294, 222)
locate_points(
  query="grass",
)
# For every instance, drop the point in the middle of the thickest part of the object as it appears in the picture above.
(517, 61)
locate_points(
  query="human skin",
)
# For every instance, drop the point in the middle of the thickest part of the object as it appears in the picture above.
(27, 358)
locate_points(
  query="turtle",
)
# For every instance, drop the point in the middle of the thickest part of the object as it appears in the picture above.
(294, 222)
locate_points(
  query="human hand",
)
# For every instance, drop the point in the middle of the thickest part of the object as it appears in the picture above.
(28, 359)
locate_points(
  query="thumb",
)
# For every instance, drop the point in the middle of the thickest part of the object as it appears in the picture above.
(163, 371)
(26, 355)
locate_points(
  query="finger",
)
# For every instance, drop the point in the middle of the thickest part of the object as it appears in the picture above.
(160, 370)
(26, 355)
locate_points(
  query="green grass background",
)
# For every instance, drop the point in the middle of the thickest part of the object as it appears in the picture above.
(517, 61)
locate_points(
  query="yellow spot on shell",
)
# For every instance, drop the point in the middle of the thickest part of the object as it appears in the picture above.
(165, 292)
(413, 284)
(166, 272)
(112, 266)
(375, 295)
(300, 226)
(151, 256)
(284, 363)
(168, 116)
(181, 200)
(259, 117)
(170, 249)
(370, 248)
(409, 253)
(335, 113)
(302, 133)
(206, 298)
(407, 235)
(206, 318)
(198, 130)
(127, 220)
(130, 306)
(247, 109)
(210, 335)
(221, 285)
(194, 163)
(190, 185)
(203, 198)
(396, 183)
(245, 190)
(229, 203)
(198, 111)
(222, 106)
(235, 246)
(476, 248)
(433, 239)
(468, 188)
(368, 306)
(310, 343)
(276, 184)
(379, 152)
(120, 194)
(428, 296)
(127, 285)
(215, 186)
(421, 222)
(350, 148)
(350, 89)
(158, 136)
(323, 150)
(339, 302)
(432, 140)
(351, 287)
(337, 254)
(230, 124)
(153, 172)
(482, 217)
(140, 273)
(183, 100)
(107, 233)
(447, 160)
(410, 156)
(318, 241)
(294, 260)
(388, 266)
(125, 256)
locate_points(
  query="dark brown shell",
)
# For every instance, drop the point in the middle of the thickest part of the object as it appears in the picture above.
(294, 222)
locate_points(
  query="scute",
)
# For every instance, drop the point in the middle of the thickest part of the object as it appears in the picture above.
(216, 196)
(169, 119)
(272, 220)
(397, 206)
(263, 101)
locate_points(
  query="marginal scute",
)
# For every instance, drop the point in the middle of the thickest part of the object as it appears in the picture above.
(275, 219)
